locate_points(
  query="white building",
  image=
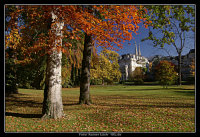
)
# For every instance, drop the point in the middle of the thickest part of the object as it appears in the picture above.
(128, 63)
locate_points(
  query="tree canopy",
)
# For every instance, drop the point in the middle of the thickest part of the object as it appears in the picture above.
(50, 30)
(105, 67)
(165, 73)
(28, 27)
(171, 25)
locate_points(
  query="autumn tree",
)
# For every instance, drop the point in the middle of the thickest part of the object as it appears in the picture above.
(106, 67)
(165, 73)
(171, 25)
(40, 30)
(107, 25)
(138, 73)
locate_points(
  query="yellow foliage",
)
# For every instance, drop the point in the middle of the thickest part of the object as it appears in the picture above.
(106, 67)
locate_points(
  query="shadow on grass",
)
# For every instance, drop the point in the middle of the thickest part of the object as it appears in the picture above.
(148, 89)
(146, 106)
(186, 93)
(124, 89)
(13, 95)
(71, 104)
(22, 103)
(23, 115)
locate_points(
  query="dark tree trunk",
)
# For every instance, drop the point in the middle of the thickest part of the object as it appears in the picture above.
(179, 69)
(45, 105)
(85, 75)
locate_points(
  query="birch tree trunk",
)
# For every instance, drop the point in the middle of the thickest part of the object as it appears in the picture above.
(52, 103)
(85, 75)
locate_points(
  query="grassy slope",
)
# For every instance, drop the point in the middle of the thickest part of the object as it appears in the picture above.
(115, 108)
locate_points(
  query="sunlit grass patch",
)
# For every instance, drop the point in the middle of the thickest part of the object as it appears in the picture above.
(114, 109)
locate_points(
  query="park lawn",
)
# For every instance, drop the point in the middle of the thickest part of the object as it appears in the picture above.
(115, 109)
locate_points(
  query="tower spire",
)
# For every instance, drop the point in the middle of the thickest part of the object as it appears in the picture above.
(136, 52)
(139, 53)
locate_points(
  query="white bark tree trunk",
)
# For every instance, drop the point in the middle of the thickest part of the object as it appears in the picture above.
(52, 104)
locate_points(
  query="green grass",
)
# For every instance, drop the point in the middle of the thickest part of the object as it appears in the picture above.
(115, 109)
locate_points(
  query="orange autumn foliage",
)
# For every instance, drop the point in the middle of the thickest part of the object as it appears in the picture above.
(108, 25)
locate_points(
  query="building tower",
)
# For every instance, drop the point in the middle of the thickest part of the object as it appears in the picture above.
(136, 52)
(139, 53)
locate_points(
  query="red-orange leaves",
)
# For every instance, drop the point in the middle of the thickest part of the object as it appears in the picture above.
(108, 24)
(118, 22)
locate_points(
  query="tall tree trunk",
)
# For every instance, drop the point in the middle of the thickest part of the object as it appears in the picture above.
(45, 104)
(52, 103)
(179, 69)
(85, 75)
